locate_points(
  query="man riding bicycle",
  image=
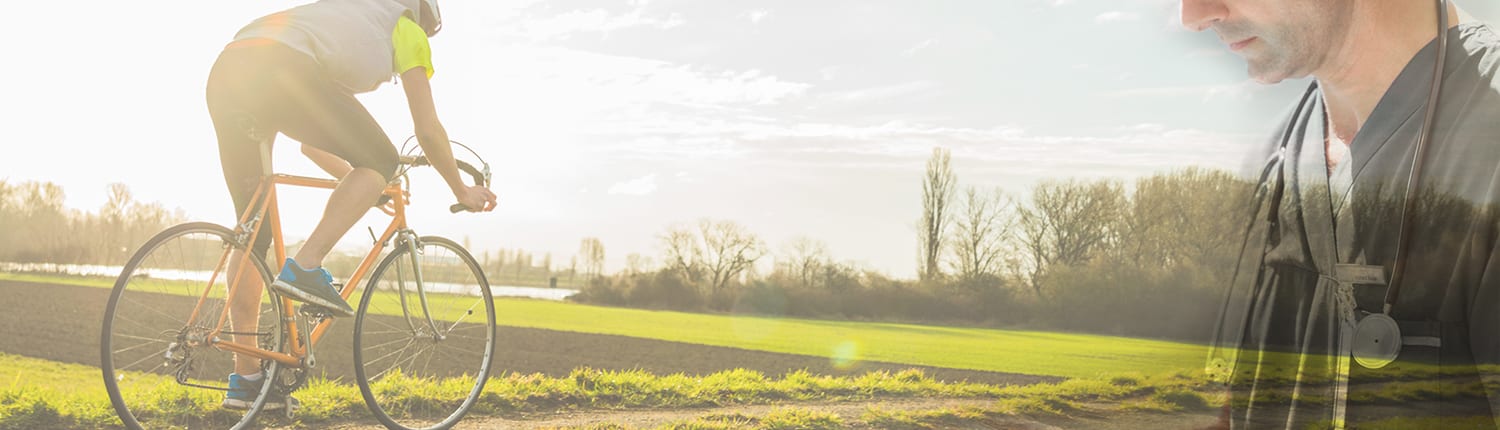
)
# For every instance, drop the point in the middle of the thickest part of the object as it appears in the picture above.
(296, 72)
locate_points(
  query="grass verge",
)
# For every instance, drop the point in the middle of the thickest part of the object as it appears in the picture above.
(45, 394)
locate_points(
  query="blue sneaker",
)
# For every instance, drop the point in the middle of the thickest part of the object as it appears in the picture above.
(311, 286)
(242, 394)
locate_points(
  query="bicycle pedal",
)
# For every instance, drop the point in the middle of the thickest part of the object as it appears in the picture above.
(314, 311)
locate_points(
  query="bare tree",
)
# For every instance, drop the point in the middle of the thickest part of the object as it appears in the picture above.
(47, 222)
(728, 250)
(10, 214)
(937, 197)
(682, 253)
(1068, 222)
(592, 252)
(113, 224)
(584, 249)
(1188, 215)
(572, 268)
(803, 259)
(522, 263)
(637, 263)
(501, 262)
(596, 259)
(716, 252)
(981, 233)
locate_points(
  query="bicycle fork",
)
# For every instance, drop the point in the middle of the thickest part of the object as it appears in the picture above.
(410, 239)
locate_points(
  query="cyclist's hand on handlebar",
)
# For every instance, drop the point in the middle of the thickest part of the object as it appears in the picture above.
(476, 199)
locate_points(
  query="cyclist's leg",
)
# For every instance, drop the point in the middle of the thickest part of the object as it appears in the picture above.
(235, 87)
(242, 173)
(356, 193)
(334, 121)
(244, 310)
(318, 112)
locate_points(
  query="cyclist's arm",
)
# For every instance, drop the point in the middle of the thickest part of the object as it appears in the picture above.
(434, 140)
(330, 163)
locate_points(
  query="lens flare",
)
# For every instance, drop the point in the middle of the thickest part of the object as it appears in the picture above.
(845, 355)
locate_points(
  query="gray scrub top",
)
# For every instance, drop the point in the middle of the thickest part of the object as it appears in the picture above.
(1288, 318)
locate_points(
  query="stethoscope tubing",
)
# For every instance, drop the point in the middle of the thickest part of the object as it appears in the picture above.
(1413, 180)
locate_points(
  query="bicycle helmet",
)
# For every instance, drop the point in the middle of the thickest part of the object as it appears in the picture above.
(429, 17)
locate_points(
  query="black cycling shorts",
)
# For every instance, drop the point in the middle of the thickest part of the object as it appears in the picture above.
(260, 89)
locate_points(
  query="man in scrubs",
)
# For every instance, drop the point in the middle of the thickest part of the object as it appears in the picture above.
(1321, 327)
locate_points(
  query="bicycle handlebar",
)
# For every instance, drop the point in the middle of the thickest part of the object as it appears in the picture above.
(481, 178)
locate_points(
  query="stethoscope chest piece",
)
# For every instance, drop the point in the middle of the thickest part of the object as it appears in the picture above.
(1377, 341)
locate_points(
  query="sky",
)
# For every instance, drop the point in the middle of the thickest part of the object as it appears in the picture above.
(618, 119)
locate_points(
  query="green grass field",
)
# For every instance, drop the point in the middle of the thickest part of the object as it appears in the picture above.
(842, 342)
(1014, 351)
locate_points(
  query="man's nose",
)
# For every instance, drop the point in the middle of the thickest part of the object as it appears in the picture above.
(1199, 15)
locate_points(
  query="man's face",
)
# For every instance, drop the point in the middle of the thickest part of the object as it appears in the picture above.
(1280, 39)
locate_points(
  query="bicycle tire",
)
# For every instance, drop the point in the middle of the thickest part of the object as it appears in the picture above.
(393, 309)
(145, 325)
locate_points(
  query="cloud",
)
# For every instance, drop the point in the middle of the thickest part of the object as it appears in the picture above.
(558, 78)
(1116, 16)
(917, 48)
(758, 15)
(867, 95)
(1241, 91)
(836, 112)
(1137, 150)
(636, 187)
(1144, 128)
(1010, 151)
(889, 131)
(828, 73)
(568, 24)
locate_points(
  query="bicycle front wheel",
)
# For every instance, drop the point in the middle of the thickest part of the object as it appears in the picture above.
(157, 347)
(424, 335)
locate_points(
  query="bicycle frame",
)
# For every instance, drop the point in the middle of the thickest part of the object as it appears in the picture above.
(264, 212)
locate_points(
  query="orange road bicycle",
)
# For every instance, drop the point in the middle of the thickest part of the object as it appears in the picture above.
(426, 315)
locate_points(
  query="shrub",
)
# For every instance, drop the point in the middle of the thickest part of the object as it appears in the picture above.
(663, 290)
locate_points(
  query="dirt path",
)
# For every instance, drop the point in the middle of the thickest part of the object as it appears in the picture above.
(1095, 416)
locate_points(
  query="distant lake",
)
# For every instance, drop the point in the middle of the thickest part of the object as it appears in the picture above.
(114, 271)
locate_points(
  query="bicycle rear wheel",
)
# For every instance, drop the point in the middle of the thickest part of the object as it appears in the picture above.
(159, 365)
(426, 319)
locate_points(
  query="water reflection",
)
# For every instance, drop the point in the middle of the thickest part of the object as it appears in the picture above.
(557, 294)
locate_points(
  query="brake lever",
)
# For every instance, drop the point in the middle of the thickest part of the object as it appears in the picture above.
(460, 207)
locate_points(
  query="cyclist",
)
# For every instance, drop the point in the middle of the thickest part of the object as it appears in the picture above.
(295, 72)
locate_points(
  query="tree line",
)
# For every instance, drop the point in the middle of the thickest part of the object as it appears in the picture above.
(40, 229)
(1092, 255)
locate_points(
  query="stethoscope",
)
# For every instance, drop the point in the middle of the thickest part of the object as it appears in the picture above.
(1377, 338)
